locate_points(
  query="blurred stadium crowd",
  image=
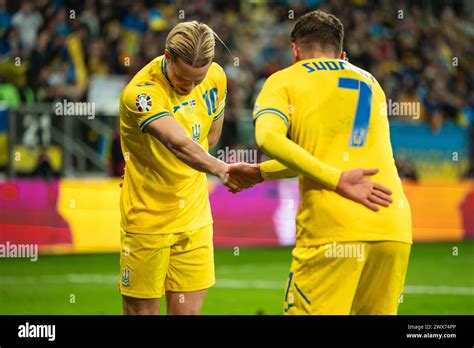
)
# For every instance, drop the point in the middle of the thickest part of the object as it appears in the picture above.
(49, 49)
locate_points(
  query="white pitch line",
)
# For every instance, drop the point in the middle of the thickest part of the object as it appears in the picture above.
(248, 284)
(409, 289)
(438, 290)
(77, 278)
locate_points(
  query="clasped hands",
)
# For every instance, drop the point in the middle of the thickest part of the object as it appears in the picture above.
(241, 175)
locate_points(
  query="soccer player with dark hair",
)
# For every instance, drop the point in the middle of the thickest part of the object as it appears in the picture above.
(347, 258)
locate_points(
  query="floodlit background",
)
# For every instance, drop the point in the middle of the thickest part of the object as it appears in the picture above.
(59, 172)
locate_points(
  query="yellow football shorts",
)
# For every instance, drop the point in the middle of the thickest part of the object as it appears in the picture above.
(347, 278)
(150, 265)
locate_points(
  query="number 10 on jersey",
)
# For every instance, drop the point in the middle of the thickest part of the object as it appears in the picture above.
(210, 97)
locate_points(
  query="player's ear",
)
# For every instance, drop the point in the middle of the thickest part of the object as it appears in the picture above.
(343, 55)
(294, 49)
(167, 55)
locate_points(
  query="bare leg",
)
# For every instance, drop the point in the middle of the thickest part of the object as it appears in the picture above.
(140, 306)
(184, 303)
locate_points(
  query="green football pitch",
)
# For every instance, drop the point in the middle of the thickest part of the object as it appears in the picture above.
(440, 280)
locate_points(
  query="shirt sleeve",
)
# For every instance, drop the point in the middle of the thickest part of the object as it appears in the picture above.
(221, 94)
(145, 102)
(275, 170)
(272, 121)
(273, 100)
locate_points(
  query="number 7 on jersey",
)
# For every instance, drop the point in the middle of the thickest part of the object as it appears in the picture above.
(362, 114)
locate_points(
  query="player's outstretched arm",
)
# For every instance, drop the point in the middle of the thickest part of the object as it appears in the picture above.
(172, 135)
(354, 184)
(275, 170)
(252, 174)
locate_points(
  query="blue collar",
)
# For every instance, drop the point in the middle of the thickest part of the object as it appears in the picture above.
(163, 70)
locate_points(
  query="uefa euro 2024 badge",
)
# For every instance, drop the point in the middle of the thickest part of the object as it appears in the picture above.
(143, 102)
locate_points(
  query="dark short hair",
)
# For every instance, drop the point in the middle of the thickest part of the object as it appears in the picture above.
(318, 27)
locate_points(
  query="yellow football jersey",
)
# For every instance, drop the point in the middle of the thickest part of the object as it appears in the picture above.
(160, 193)
(338, 113)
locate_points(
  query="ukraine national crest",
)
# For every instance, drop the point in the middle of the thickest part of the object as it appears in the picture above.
(143, 102)
(196, 131)
(126, 277)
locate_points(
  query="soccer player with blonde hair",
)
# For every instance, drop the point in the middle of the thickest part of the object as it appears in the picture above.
(171, 112)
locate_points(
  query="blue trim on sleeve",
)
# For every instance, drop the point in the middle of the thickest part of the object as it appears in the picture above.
(152, 118)
(274, 112)
(218, 116)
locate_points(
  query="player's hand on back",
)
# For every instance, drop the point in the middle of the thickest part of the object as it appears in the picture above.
(243, 175)
(355, 185)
